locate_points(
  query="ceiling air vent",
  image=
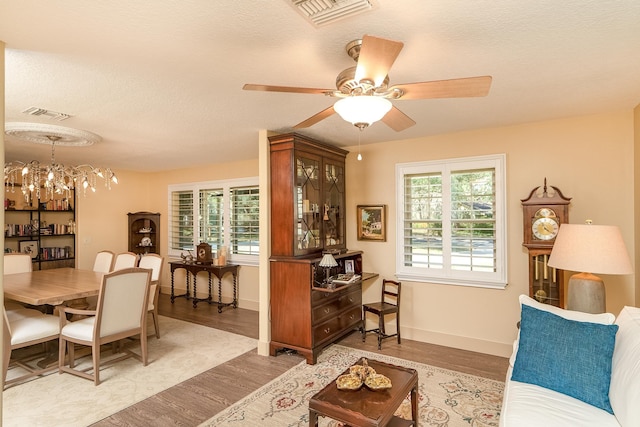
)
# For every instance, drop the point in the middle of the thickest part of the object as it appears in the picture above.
(323, 12)
(35, 111)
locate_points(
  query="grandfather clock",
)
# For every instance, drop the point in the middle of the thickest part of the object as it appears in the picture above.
(543, 214)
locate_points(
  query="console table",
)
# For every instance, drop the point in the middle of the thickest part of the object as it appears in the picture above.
(217, 270)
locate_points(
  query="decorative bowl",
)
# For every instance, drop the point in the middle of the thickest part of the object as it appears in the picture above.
(362, 371)
(348, 382)
(377, 382)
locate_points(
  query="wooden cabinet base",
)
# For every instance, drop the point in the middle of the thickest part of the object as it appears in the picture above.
(305, 317)
(310, 354)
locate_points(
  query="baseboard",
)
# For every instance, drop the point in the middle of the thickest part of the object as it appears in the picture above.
(460, 342)
(448, 340)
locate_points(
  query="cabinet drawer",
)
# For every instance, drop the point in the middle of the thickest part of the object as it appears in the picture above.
(327, 330)
(336, 305)
(320, 297)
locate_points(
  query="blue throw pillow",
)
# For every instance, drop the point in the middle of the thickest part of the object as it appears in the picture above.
(567, 356)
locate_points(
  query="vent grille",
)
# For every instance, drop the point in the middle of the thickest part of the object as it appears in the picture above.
(54, 115)
(323, 12)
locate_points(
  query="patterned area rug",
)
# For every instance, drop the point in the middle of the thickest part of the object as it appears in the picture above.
(446, 398)
(183, 351)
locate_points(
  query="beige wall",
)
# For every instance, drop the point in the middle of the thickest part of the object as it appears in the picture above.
(102, 220)
(589, 158)
(101, 217)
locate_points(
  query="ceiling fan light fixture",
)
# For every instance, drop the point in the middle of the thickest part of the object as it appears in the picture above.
(362, 111)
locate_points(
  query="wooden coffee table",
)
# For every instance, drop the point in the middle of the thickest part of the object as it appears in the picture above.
(365, 407)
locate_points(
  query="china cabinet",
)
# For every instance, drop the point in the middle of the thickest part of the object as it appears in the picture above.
(307, 197)
(307, 219)
(144, 233)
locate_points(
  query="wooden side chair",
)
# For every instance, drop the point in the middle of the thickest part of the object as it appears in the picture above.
(103, 262)
(121, 313)
(25, 332)
(125, 260)
(153, 262)
(389, 304)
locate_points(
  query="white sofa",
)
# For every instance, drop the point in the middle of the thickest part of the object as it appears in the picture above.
(529, 405)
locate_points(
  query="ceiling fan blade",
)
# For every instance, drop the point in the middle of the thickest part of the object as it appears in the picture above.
(376, 58)
(315, 118)
(454, 88)
(397, 120)
(289, 89)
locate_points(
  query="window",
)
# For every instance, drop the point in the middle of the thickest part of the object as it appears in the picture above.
(451, 221)
(228, 215)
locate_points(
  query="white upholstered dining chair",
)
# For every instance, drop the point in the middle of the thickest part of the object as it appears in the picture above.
(121, 313)
(153, 262)
(103, 262)
(15, 263)
(125, 260)
(25, 332)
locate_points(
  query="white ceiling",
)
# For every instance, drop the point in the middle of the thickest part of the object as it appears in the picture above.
(161, 80)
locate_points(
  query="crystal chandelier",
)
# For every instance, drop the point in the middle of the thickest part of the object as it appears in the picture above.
(44, 181)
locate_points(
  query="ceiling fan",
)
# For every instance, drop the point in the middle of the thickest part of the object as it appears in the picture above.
(366, 86)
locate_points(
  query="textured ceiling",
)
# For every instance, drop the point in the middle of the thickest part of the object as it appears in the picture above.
(161, 81)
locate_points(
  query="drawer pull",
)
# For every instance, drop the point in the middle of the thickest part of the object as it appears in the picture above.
(351, 299)
(327, 331)
(327, 310)
(353, 316)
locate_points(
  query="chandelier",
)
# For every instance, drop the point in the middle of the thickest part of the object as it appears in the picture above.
(44, 181)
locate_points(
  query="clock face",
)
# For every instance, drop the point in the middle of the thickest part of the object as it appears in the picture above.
(545, 228)
(201, 253)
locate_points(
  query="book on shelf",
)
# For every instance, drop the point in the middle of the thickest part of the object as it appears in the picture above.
(345, 279)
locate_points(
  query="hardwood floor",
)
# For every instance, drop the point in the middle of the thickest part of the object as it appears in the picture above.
(198, 399)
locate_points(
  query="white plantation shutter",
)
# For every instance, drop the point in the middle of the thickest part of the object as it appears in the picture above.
(228, 215)
(451, 221)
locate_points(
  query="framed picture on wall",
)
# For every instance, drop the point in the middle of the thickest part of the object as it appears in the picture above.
(29, 247)
(372, 222)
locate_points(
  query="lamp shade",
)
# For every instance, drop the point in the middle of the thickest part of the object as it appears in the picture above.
(328, 261)
(590, 248)
(363, 109)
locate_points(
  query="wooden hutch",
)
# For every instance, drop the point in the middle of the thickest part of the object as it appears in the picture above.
(307, 218)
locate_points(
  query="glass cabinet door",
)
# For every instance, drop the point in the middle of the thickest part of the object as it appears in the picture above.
(333, 213)
(308, 205)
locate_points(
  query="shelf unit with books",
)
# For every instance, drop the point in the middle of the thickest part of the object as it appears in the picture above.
(45, 229)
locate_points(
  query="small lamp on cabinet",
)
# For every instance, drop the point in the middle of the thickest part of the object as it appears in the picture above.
(588, 249)
(327, 262)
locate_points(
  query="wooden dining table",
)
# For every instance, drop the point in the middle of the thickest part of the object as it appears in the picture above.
(51, 287)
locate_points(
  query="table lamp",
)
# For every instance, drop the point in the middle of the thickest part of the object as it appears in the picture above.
(589, 249)
(327, 262)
